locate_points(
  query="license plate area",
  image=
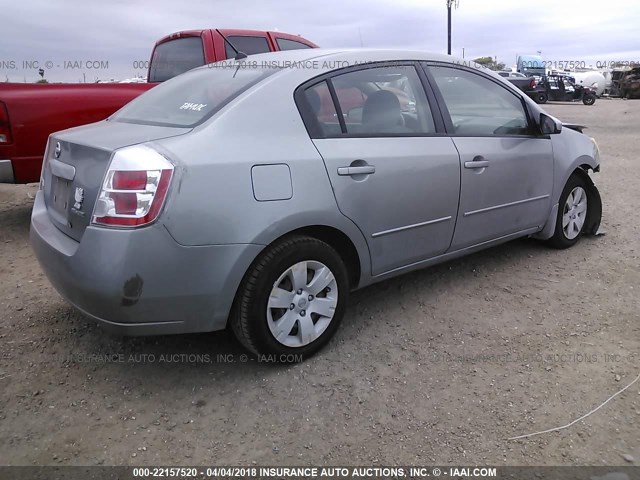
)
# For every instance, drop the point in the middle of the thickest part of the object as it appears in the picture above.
(60, 198)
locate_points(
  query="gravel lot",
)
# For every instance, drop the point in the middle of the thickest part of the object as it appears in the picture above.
(436, 367)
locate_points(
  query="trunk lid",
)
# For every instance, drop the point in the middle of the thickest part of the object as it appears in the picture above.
(75, 165)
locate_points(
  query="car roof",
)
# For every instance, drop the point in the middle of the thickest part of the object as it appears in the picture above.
(360, 55)
(305, 64)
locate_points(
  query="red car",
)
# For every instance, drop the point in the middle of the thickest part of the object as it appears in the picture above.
(29, 113)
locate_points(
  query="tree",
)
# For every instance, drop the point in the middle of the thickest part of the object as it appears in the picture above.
(42, 79)
(490, 63)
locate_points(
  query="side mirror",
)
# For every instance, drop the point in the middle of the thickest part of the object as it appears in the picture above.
(549, 125)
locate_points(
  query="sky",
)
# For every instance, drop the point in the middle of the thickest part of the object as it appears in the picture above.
(117, 36)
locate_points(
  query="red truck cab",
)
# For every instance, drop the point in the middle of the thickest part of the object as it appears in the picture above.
(182, 51)
(29, 113)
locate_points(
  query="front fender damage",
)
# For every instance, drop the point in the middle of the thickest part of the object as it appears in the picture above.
(594, 215)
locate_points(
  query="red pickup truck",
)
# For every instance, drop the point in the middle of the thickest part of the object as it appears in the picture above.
(29, 113)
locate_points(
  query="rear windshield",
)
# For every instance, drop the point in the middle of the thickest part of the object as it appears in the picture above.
(193, 97)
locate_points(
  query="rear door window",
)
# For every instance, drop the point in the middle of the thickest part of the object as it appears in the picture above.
(286, 44)
(175, 57)
(248, 45)
(379, 101)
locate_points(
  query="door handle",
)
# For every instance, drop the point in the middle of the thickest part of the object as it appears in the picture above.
(477, 162)
(363, 170)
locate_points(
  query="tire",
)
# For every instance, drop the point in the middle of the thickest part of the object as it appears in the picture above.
(542, 97)
(589, 99)
(288, 327)
(569, 230)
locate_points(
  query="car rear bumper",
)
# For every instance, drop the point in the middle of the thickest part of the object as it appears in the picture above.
(6, 172)
(141, 282)
(19, 169)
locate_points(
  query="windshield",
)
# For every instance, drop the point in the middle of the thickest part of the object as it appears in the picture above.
(189, 99)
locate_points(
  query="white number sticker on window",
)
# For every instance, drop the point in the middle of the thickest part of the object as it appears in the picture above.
(196, 107)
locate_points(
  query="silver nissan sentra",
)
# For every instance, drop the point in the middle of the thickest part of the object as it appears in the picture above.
(258, 193)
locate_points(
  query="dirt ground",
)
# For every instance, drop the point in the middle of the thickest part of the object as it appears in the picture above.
(436, 367)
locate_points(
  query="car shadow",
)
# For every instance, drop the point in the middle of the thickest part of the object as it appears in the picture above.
(219, 353)
(15, 221)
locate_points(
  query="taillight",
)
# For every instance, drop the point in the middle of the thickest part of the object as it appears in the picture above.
(134, 189)
(532, 84)
(5, 130)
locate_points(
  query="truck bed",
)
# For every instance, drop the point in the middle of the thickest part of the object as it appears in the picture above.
(34, 112)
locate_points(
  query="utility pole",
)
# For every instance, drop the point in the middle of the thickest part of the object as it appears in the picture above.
(450, 3)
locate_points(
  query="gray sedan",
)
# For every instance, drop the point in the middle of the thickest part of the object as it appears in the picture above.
(258, 193)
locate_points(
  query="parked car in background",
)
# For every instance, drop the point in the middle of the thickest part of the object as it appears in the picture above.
(614, 78)
(563, 88)
(29, 113)
(186, 211)
(630, 83)
(528, 85)
(509, 73)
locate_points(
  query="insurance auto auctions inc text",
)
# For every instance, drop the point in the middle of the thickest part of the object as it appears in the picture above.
(353, 472)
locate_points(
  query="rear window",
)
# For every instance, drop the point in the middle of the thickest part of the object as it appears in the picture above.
(248, 45)
(286, 44)
(175, 57)
(190, 99)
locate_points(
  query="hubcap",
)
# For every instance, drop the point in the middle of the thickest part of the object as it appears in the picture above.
(302, 303)
(575, 213)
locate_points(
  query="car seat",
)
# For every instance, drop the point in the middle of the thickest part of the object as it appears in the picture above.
(382, 114)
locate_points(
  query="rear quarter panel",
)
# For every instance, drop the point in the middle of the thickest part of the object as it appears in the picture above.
(212, 199)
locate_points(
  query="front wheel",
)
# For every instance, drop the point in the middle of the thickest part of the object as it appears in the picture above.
(573, 212)
(291, 300)
(589, 99)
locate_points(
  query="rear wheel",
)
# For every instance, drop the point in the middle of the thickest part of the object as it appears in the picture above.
(589, 99)
(573, 212)
(542, 97)
(291, 300)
